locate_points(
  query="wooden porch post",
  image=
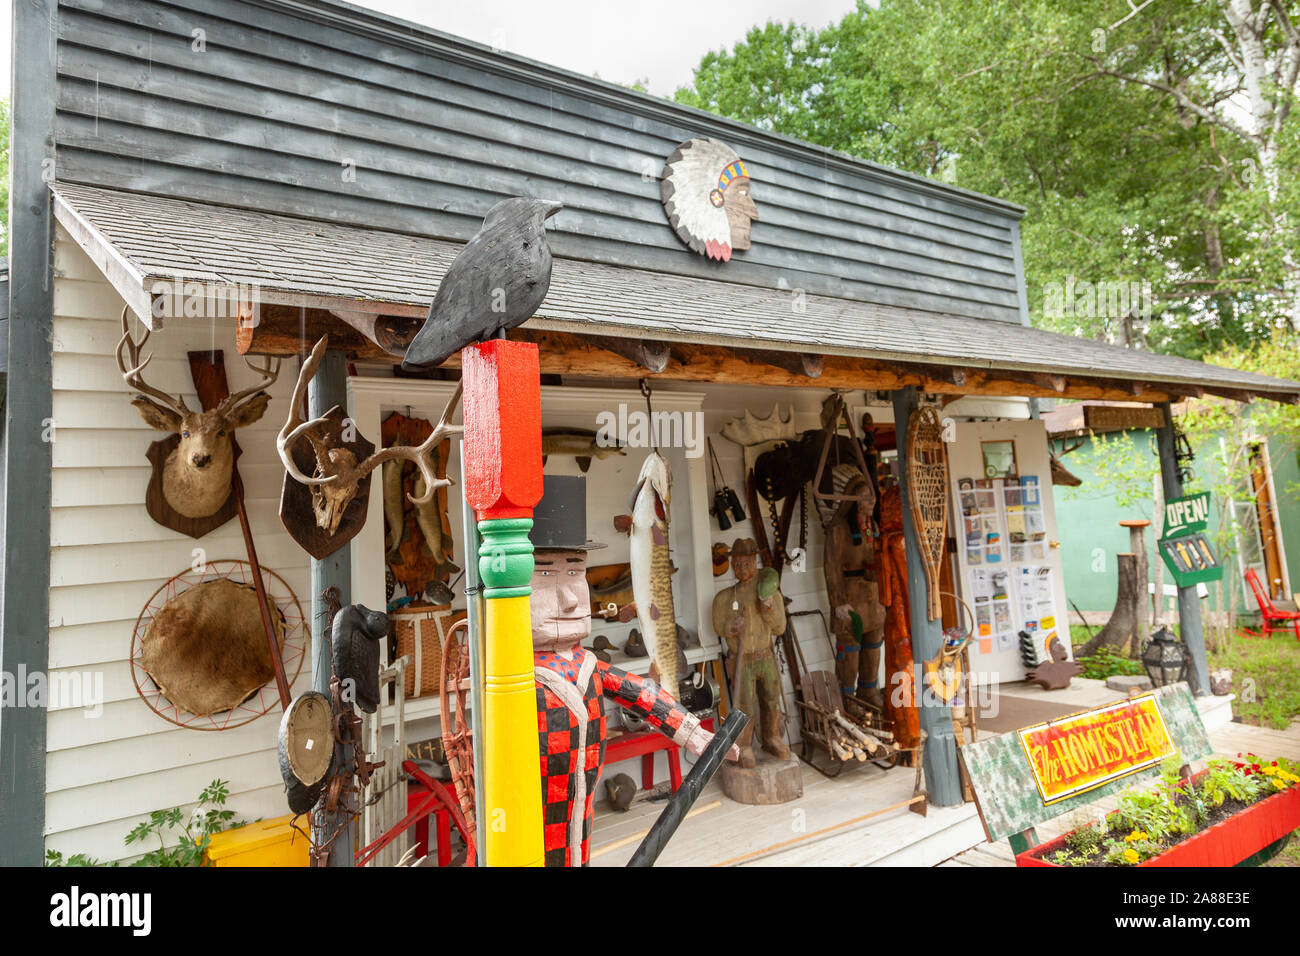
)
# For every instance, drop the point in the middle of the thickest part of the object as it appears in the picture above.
(1189, 605)
(29, 432)
(327, 389)
(942, 777)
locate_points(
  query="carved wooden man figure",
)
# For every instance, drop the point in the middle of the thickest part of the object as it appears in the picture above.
(572, 683)
(849, 563)
(747, 616)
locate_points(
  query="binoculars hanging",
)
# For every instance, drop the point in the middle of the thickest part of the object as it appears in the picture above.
(725, 500)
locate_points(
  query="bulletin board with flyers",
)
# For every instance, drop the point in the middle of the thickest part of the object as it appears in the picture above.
(1010, 575)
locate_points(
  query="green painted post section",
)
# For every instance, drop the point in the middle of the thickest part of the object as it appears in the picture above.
(942, 778)
(1189, 605)
(29, 434)
(327, 389)
(506, 557)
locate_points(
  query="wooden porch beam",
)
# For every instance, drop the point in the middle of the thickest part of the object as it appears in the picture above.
(650, 354)
(796, 363)
(290, 330)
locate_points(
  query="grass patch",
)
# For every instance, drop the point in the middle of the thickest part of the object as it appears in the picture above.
(1265, 678)
(1289, 856)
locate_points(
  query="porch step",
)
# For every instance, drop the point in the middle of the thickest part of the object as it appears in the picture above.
(1216, 712)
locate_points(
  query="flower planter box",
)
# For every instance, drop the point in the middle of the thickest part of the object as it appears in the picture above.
(1227, 843)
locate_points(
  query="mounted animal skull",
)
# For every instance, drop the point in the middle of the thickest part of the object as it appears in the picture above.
(196, 475)
(337, 473)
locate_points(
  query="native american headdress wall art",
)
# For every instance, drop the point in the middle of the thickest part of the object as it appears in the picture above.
(705, 190)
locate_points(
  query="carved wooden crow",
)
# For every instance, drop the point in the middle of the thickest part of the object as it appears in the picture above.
(496, 283)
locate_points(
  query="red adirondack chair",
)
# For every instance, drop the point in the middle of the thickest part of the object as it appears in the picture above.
(1272, 618)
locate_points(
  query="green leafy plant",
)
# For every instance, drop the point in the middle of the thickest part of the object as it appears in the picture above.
(196, 833)
(1106, 662)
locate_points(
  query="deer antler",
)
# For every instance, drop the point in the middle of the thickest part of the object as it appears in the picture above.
(421, 454)
(269, 371)
(134, 373)
(294, 427)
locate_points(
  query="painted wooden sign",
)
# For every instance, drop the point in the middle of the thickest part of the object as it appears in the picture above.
(1187, 515)
(1072, 755)
(1190, 559)
(705, 191)
(1006, 792)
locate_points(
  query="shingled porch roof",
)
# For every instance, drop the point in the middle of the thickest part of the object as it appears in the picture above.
(144, 244)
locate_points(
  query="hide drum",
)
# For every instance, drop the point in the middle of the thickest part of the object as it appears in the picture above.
(420, 631)
(206, 649)
(307, 738)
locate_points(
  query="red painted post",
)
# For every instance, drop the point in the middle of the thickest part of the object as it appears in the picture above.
(503, 482)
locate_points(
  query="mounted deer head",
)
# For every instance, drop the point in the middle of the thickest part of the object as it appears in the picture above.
(196, 476)
(337, 474)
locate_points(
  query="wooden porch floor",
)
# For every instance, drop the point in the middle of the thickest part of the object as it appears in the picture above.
(822, 828)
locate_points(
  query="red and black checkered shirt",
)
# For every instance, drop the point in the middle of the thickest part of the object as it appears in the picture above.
(571, 731)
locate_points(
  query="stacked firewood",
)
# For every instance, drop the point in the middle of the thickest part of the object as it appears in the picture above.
(849, 741)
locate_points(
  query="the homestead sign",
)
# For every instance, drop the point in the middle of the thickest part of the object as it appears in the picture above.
(1083, 751)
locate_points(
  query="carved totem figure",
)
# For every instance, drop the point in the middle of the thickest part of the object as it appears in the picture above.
(747, 615)
(849, 563)
(573, 683)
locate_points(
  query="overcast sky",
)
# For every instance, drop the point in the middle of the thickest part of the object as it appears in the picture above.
(658, 42)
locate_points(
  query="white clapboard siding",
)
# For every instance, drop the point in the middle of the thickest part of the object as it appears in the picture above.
(107, 558)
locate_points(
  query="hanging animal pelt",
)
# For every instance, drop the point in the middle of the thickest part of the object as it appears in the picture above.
(652, 587)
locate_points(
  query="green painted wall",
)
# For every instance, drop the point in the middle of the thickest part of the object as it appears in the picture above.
(1286, 479)
(1087, 523)
(1090, 535)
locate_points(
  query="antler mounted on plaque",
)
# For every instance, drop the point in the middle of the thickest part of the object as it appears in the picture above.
(191, 488)
(341, 467)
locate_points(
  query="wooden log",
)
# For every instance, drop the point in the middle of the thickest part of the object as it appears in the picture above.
(796, 363)
(854, 731)
(650, 354)
(1123, 619)
(284, 330)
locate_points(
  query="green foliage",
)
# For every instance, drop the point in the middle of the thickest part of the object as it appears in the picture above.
(1107, 662)
(55, 858)
(196, 833)
(4, 176)
(1265, 679)
(1148, 821)
(1108, 123)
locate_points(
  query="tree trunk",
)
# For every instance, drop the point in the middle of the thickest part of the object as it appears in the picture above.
(1122, 626)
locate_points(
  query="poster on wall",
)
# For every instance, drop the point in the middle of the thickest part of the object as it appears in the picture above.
(1004, 553)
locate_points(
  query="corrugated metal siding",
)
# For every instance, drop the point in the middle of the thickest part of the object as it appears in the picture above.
(285, 100)
(104, 773)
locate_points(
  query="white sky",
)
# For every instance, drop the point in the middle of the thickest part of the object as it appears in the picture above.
(658, 42)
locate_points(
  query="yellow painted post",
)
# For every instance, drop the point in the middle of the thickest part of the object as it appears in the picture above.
(503, 482)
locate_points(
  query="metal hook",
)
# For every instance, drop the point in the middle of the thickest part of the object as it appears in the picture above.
(650, 416)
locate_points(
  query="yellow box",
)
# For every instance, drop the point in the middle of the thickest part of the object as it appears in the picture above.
(264, 843)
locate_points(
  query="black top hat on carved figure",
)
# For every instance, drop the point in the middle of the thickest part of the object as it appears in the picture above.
(560, 518)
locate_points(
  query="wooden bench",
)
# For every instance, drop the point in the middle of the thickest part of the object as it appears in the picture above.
(645, 745)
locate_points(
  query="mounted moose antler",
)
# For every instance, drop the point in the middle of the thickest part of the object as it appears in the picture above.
(196, 475)
(334, 484)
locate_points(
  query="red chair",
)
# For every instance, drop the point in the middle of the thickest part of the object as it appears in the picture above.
(1272, 616)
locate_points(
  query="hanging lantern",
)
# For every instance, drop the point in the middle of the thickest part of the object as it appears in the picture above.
(1165, 658)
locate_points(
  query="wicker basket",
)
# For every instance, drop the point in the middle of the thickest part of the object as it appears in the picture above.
(419, 630)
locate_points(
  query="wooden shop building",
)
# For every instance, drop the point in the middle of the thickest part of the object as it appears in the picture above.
(190, 160)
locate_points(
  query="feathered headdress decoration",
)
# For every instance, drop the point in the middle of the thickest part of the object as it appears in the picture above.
(694, 178)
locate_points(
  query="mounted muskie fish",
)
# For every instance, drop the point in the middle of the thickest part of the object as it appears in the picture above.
(652, 587)
(579, 443)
